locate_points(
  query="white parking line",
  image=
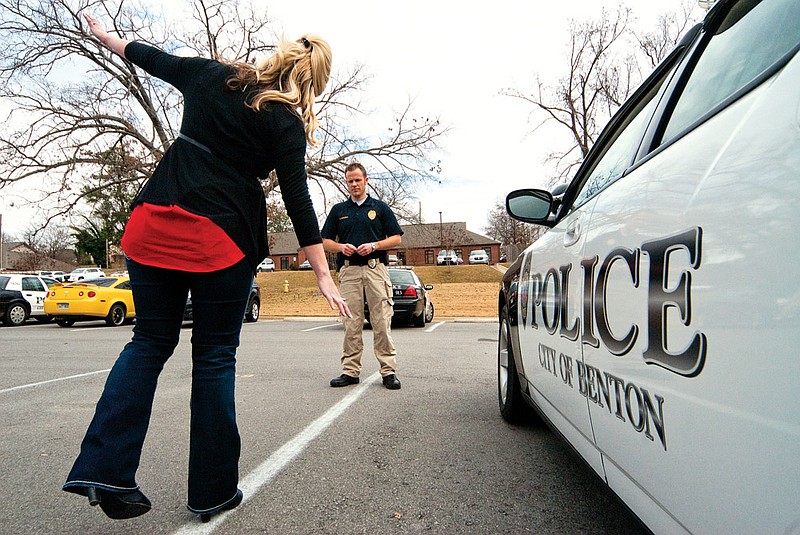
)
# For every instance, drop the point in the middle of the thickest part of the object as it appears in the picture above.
(20, 387)
(320, 327)
(435, 326)
(267, 470)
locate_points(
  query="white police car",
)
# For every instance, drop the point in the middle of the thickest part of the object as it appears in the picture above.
(22, 296)
(656, 325)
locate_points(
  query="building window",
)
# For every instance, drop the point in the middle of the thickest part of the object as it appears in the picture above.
(429, 256)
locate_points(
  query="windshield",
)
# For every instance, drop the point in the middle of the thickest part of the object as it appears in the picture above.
(402, 277)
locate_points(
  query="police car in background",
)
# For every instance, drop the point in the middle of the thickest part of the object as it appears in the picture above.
(22, 296)
(656, 325)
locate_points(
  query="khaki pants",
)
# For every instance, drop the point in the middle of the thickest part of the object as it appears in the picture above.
(354, 283)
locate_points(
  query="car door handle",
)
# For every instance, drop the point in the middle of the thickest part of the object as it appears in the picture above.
(573, 232)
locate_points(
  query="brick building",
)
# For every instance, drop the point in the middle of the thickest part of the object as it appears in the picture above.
(420, 245)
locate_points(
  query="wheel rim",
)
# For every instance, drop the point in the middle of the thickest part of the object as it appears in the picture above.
(118, 315)
(254, 310)
(17, 315)
(429, 313)
(502, 361)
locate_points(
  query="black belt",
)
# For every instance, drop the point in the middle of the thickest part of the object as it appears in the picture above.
(361, 261)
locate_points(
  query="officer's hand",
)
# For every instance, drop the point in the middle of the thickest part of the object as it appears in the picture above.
(364, 249)
(348, 249)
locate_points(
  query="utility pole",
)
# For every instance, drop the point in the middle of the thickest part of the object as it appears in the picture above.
(1, 242)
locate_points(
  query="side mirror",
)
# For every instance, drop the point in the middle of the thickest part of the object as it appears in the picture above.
(530, 205)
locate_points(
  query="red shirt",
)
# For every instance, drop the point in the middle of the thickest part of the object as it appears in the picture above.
(172, 238)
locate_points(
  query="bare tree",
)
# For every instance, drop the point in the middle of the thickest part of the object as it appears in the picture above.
(512, 234)
(69, 101)
(49, 243)
(656, 44)
(600, 75)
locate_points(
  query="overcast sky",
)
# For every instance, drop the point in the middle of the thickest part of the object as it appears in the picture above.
(452, 59)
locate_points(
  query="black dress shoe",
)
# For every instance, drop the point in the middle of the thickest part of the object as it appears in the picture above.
(119, 505)
(391, 382)
(230, 504)
(344, 380)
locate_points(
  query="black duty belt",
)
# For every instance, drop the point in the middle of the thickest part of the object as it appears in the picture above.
(360, 261)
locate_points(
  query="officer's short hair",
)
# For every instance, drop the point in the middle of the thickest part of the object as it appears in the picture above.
(355, 165)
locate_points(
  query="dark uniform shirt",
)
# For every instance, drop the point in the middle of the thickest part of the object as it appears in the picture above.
(348, 222)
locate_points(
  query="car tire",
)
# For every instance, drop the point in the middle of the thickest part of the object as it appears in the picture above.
(429, 311)
(513, 407)
(63, 322)
(419, 321)
(16, 315)
(116, 315)
(253, 310)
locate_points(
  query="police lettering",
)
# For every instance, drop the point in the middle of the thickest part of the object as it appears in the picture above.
(593, 324)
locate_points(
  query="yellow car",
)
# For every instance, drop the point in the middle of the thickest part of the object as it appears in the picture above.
(109, 298)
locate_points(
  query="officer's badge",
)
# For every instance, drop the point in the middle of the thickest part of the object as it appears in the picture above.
(372, 214)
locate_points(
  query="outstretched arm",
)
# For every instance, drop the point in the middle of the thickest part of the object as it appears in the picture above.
(110, 41)
(316, 257)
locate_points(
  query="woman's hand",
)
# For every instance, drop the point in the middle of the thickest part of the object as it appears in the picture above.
(114, 43)
(331, 293)
(316, 257)
(95, 28)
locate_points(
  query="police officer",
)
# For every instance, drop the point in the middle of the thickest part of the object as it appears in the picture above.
(360, 230)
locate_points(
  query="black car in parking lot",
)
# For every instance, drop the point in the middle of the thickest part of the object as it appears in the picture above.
(412, 302)
(251, 312)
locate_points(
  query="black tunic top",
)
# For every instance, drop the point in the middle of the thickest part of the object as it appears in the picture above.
(221, 183)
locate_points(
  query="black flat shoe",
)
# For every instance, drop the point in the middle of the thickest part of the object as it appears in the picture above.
(391, 382)
(231, 504)
(119, 505)
(344, 380)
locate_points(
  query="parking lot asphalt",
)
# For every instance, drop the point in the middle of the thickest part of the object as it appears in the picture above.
(433, 457)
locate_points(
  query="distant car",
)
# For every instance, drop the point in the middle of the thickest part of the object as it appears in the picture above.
(108, 298)
(412, 303)
(266, 265)
(656, 325)
(55, 275)
(305, 265)
(120, 273)
(393, 261)
(80, 274)
(478, 256)
(22, 296)
(252, 311)
(448, 257)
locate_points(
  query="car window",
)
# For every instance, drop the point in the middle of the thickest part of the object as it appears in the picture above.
(735, 55)
(4, 282)
(32, 284)
(124, 286)
(107, 281)
(620, 150)
(402, 277)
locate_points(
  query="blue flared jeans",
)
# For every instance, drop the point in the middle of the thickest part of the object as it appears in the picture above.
(112, 447)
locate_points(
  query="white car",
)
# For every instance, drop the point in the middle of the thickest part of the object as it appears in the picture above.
(478, 256)
(656, 325)
(80, 274)
(56, 275)
(22, 296)
(266, 265)
(448, 257)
